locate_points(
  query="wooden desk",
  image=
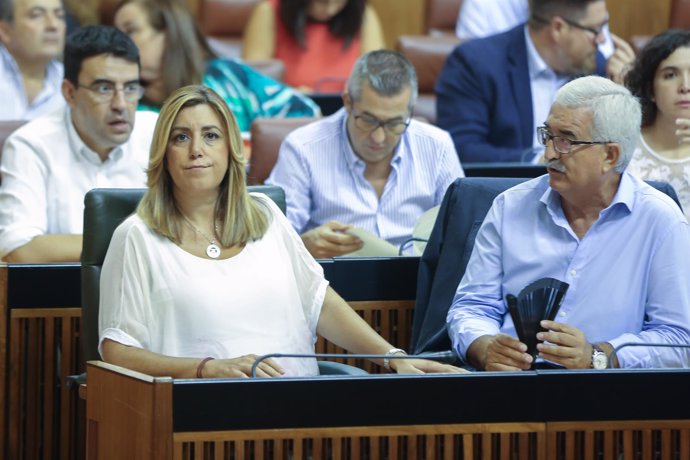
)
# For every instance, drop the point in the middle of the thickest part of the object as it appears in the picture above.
(40, 344)
(529, 415)
(40, 418)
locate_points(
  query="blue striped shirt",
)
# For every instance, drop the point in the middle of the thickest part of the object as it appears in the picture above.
(629, 276)
(324, 179)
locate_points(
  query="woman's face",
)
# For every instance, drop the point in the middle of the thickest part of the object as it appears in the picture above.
(198, 150)
(324, 10)
(133, 20)
(671, 87)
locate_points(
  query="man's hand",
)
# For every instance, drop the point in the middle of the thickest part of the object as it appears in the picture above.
(567, 345)
(499, 352)
(620, 61)
(683, 130)
(330, 240)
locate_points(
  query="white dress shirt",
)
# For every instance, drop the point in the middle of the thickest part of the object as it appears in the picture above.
(14, 103)
(46, 170)
(544, 83)
(324, 180)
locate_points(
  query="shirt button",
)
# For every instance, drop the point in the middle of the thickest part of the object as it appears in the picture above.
(564, 314)
(573, 272)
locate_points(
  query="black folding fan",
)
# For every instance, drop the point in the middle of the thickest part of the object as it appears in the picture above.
(538, 301)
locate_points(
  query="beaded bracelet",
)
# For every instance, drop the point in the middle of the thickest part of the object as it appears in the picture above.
(200, 368)
(392, 351)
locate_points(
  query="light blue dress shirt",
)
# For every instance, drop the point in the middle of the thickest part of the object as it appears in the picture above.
(14, 103)
(324, 179)
(629, 276)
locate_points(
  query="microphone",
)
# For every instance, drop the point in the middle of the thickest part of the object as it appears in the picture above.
(646, 345)
(433, 356)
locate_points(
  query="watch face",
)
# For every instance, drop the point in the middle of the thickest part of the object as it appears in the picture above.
(599, 360)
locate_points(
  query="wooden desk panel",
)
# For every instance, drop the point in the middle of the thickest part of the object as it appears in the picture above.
(453, 428)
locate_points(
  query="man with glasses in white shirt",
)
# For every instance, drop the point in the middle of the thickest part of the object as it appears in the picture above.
(621, 245)
(370, 165)
(50, 163)
(493, 91)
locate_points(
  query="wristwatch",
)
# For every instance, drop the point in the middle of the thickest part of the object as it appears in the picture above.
(599, 358)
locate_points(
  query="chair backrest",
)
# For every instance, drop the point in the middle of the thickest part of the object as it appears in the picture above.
(104, 210)
(450, 245)
(267, 135)
(441, 16)
(223, 23)
(428, 55)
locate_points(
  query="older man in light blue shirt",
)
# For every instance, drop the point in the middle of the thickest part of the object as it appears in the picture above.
(621, 245)
(369, 165)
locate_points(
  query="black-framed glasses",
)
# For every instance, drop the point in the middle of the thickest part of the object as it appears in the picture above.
(594, 31)
(104, 91)
(369, 124)
(562, 145)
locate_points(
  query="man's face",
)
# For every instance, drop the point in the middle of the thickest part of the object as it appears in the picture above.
(583, 170)
(579, 41)
(376, 145)
(103, 124)
(37, 32)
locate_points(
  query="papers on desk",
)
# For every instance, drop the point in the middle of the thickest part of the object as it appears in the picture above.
(373, 245)
(378, 247)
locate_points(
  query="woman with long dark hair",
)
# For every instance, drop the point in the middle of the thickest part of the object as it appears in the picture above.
(660, 78)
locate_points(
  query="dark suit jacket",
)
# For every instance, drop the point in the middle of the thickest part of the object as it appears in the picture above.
(484, 98)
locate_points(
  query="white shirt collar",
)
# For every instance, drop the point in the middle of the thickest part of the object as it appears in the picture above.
(82, 150)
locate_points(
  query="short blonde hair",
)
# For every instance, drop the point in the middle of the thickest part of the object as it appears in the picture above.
(241, 217)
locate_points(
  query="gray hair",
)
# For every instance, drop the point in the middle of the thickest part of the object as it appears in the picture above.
(616, 113)
(7, 11)
(388, 73)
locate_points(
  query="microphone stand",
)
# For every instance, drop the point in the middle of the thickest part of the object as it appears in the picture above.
(434, 356)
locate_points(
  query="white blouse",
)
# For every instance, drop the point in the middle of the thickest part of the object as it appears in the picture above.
(649, 165)
(266, 299)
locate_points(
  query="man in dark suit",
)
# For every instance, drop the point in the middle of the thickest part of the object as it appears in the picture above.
(493, 92)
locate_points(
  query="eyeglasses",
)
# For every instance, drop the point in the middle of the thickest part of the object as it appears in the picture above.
(104, 91)
(562, 145)
(369, 124)
(594, 31)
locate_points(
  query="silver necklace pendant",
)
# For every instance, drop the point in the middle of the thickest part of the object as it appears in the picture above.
(213, 251)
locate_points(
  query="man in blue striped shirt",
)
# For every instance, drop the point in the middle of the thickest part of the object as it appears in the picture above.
(621, 245)
(370, 165)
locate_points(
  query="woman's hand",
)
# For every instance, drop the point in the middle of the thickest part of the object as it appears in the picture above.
(241, 367)
(683, 130)
(422, 366)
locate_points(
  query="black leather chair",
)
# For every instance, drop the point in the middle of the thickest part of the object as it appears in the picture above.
(450, 245)
(104, 210)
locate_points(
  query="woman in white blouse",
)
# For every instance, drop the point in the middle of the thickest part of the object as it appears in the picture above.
(205, 277)
(660, 78)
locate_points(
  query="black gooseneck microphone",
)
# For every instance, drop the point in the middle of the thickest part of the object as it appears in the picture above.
(433, 356)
